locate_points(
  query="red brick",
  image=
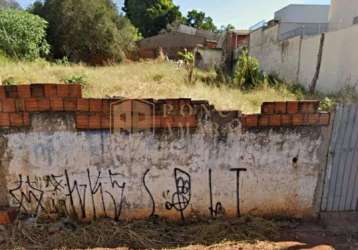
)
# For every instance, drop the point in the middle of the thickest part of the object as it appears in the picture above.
(26, 118)
(43, 104)
(62, 90)
(2, 92)
(166, 122)
(191, 121)
(11, 91)
(275, 120)
(250, 121)
(105, 122)
(308, 107)
(82, 121)
(70, 104)
(268, 108)
(286, 120)
(37, 90)
(264, 120)
(20, 105)
(292, 107)
(298, 120)
(106, 106)
(82, 105)
(56, 104)
(31, 105)
(23, 91)
(9, 105)
(75, 90)
(4, 120)
(312, 119)
(95, 105)
(16, 120)
(7, 216)
(50, 90)
(324, 119)
(280, 108)
(94, 121)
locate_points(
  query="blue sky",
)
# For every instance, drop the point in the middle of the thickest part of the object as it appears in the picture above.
(241, 13)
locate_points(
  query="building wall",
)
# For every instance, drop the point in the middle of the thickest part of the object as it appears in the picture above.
(62, 162)
(307, 13)
(206, 58)
(342, 14)
(339, 60)
(298, 64)
(275, 56)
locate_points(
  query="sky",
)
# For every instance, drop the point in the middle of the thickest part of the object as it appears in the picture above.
(241, 13)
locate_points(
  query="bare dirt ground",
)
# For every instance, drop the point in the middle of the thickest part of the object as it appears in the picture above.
(242, 233)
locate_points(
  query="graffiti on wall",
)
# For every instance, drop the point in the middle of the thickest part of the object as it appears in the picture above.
(104, 193)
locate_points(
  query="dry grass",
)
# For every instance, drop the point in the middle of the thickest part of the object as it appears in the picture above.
(151, 79)
(150, 234)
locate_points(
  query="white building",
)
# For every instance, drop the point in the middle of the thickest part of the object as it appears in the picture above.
(343, 14)
(302, 19)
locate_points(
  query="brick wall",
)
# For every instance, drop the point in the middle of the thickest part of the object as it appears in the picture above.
(287, 114)
(18, 102)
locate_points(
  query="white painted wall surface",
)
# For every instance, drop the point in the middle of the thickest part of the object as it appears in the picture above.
(303, 13)
(309, 57)
(281, 57)
(340, 60)
(272, 184)
(342, 14)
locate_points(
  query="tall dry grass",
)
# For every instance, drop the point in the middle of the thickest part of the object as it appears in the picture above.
(150, 79)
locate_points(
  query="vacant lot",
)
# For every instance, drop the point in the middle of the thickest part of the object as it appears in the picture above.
(151, 79)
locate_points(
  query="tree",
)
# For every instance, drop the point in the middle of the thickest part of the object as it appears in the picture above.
(227, 28)
(199, 20)
(12, 4)
(151, 16)
(22, 35)
(90, 31)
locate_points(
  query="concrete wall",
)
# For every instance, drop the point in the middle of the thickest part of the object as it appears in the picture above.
(303, 13)
(342, 14)
(280, 57)
(339, 60)
(298, 63)
(207, 59)
(57, 163)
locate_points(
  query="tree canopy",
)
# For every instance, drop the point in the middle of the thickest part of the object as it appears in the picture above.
(22, 35)
(91, 31)
(199, 20)
(151, 16)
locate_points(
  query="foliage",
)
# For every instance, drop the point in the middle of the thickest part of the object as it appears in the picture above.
(227, 28)
(151, 16)
(327, 104)
(189, 62)
(91, 31)
(12, 4)
(247, 74)
(199, 20)
(22, 35)
(75, 79)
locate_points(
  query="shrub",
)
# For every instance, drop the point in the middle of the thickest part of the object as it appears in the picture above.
(76, 79)
(189, 63)
(22, 35)
(90, 31)
(247, 74)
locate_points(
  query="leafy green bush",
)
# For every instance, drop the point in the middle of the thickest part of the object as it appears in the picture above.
(76, 79)
(22, 35)
(247, 74)
(90, 31)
